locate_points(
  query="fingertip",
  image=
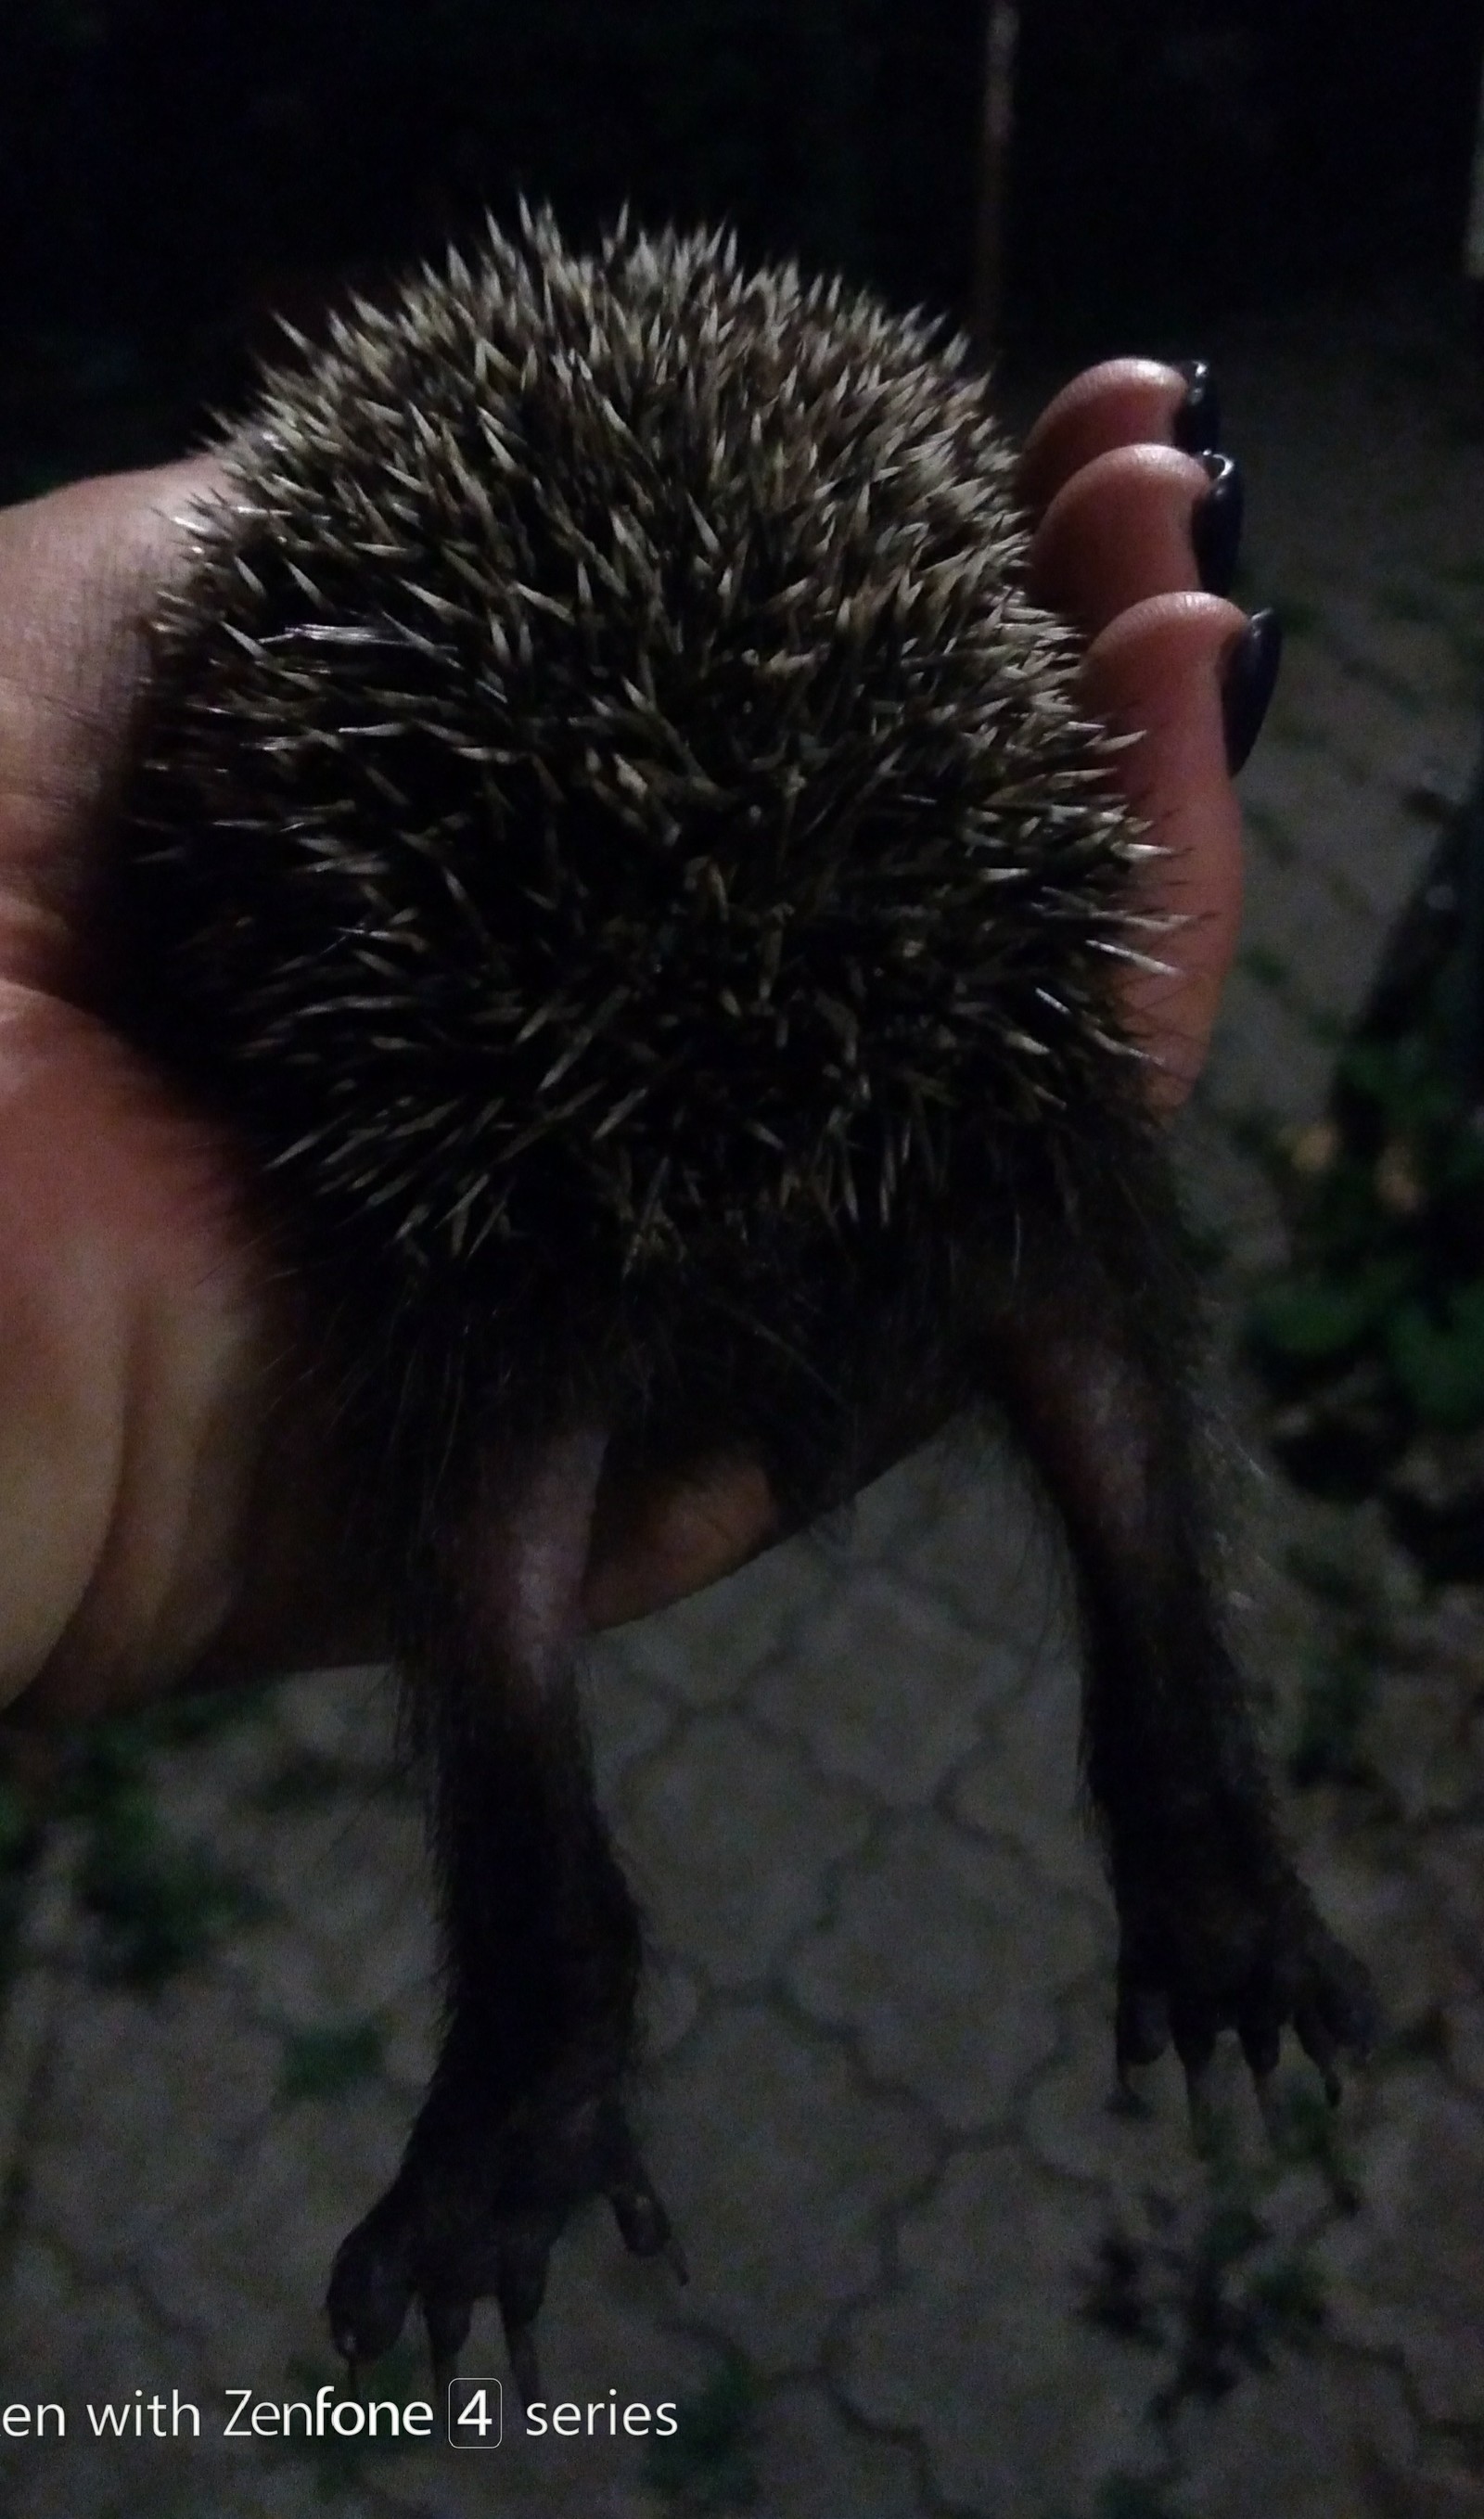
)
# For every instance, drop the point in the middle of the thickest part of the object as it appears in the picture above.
(664, 1538)
(1121, 402)
(1141, 660)
(1120, 530)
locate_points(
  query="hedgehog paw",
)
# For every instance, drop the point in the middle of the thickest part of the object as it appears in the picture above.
(1202, 1954)
(475, 2216)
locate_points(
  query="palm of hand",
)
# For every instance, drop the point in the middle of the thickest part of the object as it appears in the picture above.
(165, 1505)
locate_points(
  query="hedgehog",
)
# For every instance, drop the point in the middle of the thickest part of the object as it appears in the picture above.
(611, 836)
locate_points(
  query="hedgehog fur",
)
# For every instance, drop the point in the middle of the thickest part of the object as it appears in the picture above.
(611, 835)
(610, 689)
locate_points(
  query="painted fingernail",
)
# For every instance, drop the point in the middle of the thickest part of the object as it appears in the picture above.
(1216, 525)
(1198, 421)
(1246, 684)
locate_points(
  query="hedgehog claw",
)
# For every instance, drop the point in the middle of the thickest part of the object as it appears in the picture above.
(471, 2216)
(1224, 1953)
(644, 2223)
(525, 2370)
(448, 2326)
(1268, 2110)
(1141, 2032)
(1200, 2101)
(1318, 2047)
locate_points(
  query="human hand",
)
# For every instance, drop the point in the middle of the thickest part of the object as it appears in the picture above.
(1114, 503)
(167, 1502)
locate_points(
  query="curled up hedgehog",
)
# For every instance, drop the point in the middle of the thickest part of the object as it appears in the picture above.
(612, 836)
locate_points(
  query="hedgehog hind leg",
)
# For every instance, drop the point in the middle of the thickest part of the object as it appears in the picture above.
(525, 2118)
(474, 2214)
(1217, 1931)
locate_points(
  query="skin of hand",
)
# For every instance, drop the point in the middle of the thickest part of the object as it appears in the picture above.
(167, 1505)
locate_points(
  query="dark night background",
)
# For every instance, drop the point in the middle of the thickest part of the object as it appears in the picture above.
(169, 172)
(883, 1953)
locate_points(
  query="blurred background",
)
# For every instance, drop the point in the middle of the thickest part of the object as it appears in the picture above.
(934, 2270)
(168, 174)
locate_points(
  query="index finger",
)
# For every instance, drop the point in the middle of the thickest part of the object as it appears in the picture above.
(79, 572)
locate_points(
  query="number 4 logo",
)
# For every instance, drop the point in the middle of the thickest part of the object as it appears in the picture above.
(474, 2413)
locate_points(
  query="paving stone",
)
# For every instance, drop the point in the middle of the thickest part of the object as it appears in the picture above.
(1305, 2439)
(626, 1720)
(151, 2067)
(1026, 1785)
(989, 1548)
(69, 2343)
(1394, 2288)
(347, 1717)
(1264, 1059)
(810, 2461)
(778, 2167)
(701, 1650)
(887, 1690)
(890, 1513)
(349, 1929)
(307, 2179)
(1466, 2041)
(1427, 1736)
(1451, 1861)
(1391, 1921)
(1075, 2124)
(945, 1959)
(1024, 2413)
(1427, 2492)
(670, 1999)
(733, 1837)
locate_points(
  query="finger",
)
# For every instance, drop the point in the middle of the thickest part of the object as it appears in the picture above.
(1124, 402)
(1139, 521)
(656, 1540)
(79, 572)
(129, 1374)
(1158, 670)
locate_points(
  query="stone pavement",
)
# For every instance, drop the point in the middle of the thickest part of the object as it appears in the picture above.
(934, 2270)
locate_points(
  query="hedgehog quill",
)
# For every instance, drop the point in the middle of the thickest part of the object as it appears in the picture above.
(611, 835)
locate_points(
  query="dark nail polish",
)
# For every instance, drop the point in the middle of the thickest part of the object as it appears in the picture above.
(1198, 421)
(1216, 525)
(1246, 684)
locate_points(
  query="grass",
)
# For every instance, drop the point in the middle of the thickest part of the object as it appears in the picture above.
(707, 2463)
(20, 1843)
(1398, 599)
(159, 1906)
(324, 2064)
(304, 1781)
(1209, 2296)
(1272, 832)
